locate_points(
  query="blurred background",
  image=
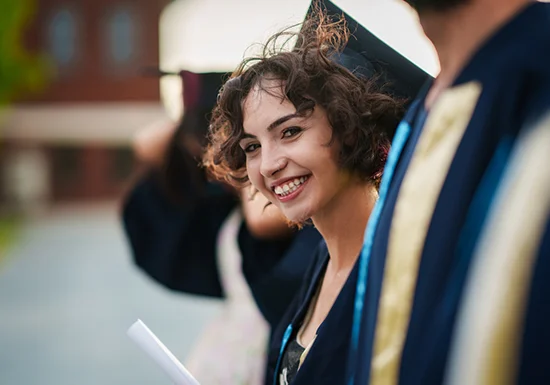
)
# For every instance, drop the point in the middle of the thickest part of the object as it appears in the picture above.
(73, 93)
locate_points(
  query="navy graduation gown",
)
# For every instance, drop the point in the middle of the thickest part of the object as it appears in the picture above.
(176, 246)
(513, 72)
(326, 361)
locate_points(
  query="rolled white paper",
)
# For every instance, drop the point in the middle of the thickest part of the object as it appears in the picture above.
(150, 344)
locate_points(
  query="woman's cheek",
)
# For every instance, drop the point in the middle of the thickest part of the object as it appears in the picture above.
(253, 174)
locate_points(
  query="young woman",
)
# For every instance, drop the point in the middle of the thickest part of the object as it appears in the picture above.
(202, 237)
(312, 136)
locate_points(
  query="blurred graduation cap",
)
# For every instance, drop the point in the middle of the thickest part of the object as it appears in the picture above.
(366, 55)
(183, 181)
(200, 90)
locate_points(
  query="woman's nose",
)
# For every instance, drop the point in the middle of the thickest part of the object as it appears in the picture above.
(271, 165)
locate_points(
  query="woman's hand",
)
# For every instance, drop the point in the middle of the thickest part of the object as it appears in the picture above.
(151, 143)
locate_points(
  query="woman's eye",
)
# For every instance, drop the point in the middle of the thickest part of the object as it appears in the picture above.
(251, 147)
(291, 131)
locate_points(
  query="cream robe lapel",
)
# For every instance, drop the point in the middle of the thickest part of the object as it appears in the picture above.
(417, 198)
(489, 325)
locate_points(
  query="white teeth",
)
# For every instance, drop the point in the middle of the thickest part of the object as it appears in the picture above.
(290, 187)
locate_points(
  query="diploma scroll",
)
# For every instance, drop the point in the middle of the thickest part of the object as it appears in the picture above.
(150, 344)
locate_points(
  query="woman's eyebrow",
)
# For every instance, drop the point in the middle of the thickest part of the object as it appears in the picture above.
(248, 136)
(273, 125)
(281, 120)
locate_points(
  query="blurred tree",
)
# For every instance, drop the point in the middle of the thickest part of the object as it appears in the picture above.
(20, 71)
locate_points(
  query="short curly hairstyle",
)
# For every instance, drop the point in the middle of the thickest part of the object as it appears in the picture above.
(363, 117)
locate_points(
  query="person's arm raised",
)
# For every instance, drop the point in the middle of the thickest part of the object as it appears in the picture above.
(151, 143)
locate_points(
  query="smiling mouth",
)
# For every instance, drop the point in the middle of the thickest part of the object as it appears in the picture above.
(286, 189)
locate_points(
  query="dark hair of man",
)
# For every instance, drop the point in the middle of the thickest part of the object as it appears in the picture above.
(435, 5)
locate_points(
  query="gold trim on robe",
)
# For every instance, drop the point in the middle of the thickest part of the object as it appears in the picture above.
(437, 145)
(487, 340)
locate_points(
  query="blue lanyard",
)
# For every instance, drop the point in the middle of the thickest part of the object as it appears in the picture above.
(286, 337)
(399, 141)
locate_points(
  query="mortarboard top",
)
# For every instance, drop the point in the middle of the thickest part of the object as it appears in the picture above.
(200, 90)
(367, 55)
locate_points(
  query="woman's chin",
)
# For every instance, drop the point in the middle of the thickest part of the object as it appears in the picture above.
(295, 217)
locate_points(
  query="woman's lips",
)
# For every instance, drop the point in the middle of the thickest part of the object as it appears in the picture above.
(292, 192)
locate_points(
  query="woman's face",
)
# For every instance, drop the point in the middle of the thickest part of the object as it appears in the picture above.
(288, 157)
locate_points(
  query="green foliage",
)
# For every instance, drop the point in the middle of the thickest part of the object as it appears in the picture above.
(9, 228)
(20, 71)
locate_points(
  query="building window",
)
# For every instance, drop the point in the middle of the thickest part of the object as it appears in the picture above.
(67, 165)
(120, 30)
(62, 35)
(122, 164)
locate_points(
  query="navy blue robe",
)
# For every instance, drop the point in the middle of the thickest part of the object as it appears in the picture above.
(513, 71)
(176, 246)
(326, 361)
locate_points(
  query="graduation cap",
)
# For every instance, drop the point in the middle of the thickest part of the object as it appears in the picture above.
(366, 55)
(200, 91)
(180, 178)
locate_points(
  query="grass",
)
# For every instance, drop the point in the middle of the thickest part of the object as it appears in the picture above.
(9, 227)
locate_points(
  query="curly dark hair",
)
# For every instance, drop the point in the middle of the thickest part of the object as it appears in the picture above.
(363, 117)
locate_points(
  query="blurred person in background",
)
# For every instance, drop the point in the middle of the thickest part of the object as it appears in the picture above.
(201, 237)
(457, 289)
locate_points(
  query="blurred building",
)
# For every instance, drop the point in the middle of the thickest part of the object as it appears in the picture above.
(72, 142)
